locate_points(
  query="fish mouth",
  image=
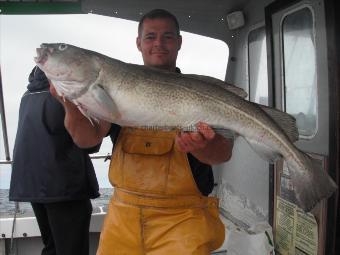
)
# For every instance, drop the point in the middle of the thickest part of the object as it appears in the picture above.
(42, 56)
(43, 53)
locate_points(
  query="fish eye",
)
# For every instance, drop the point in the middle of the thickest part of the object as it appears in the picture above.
(62, 46)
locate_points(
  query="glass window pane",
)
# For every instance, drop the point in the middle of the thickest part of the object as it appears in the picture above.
(300, 70)
(257, 60)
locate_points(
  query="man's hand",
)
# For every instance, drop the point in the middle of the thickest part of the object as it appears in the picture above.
(205, 145)
(84, 133)
(192, 141)
(53, 91)
(68, 105)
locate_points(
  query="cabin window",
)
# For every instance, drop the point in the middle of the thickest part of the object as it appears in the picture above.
(20, 35)
(299, 56)
(257, 66)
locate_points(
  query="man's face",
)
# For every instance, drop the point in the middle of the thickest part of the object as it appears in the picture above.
(159, 43)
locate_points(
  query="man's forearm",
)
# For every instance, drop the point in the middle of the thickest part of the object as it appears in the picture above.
(84, 133)
(217, 151)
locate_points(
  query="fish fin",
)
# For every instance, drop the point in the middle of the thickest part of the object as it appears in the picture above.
(286, 121)
(87, 115)
(226, 133)
(311, 185)
(83, 110)
(265, 152)
(102, 105)
(191, 128)
(231, 88)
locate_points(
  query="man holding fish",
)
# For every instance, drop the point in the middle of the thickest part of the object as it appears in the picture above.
(162, 179)
(161, 196)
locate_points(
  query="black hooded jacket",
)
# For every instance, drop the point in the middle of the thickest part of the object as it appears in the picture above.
(47, 165)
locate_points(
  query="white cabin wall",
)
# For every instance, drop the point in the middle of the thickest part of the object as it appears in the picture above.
(246, 173)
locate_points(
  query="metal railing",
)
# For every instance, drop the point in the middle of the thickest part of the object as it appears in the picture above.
(97, 156)
(3, 122)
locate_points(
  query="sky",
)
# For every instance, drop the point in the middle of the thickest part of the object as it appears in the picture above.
(21, 35)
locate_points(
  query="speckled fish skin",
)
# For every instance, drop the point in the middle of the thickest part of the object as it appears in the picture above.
(134, 95)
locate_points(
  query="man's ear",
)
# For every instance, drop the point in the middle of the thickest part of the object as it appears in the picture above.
(179, 42)
(138, 43)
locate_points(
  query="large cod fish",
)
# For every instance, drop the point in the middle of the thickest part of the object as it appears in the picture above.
(139, 96)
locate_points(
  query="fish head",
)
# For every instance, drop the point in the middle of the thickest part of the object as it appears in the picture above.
(70, 69)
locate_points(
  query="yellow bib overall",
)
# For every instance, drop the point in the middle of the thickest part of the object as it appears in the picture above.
(156, 208)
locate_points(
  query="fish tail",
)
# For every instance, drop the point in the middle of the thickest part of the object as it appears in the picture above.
(311, 182)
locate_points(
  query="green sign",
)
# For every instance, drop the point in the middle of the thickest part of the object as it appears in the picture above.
(40, 7)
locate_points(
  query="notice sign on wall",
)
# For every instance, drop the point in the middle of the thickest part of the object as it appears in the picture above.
(296, 232)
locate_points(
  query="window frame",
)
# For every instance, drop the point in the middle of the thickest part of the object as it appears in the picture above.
(282, 64)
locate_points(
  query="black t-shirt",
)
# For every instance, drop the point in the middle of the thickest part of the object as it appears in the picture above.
(201, 172)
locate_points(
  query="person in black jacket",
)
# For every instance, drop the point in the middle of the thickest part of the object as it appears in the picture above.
(52, 172)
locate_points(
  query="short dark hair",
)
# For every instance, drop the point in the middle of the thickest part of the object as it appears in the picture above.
(158, 14)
